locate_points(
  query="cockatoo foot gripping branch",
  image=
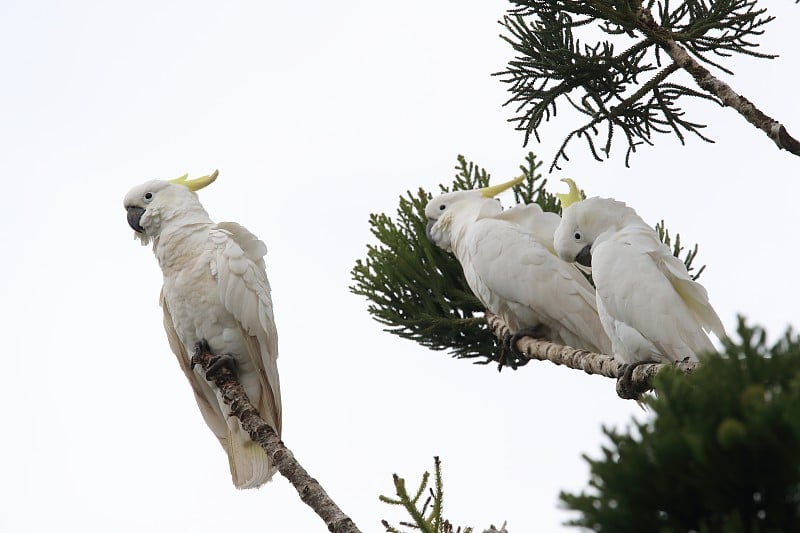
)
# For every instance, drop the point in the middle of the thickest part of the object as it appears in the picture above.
(509, 347)
(217, 362)
(629, 389)
(216, 366)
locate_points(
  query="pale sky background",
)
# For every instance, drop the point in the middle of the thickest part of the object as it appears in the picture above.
(316, 114)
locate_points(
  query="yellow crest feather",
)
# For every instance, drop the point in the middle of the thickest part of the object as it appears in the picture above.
(574, 194)
(197, 183)
(494, 190)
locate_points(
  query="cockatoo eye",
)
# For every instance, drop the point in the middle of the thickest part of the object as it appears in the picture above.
(578, 236)
(148, 196)
(442, 207)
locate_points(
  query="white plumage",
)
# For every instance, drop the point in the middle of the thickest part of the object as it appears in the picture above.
(215, 288)
(509, 264)
(650, 307)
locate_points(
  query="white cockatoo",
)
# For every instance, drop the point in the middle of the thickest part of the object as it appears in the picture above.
(649, 305)
(510, 265)
(215, 289)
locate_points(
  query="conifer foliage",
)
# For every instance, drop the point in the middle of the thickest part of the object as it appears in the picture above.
(428, 517)
(623, 65)
(722, 452)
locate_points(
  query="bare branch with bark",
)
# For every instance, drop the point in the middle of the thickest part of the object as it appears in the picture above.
(713, 85)
(591, 363)
(309, 489)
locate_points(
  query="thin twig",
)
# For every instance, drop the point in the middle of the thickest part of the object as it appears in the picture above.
(309, 489)
(708, 82)
(589, 362)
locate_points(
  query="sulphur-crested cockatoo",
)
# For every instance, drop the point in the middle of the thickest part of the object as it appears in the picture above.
(510, 265)
(650, 307)
(215, 288)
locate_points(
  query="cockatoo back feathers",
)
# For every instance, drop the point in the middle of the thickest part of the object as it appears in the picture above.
(253, 247)
(530, 218)
(521, 214)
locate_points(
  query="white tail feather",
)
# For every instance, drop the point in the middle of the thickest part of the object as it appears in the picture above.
(250, 464)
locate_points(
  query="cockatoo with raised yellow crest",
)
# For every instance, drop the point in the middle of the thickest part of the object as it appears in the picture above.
(650, 307)
(215, 289)
(510, 265)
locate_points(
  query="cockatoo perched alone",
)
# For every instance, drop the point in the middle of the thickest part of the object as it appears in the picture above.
(650, 307)
(510, 265)
(215, 289)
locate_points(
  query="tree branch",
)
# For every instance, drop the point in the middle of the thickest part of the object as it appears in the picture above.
(774, 129)
(591, 363)
(309, 489)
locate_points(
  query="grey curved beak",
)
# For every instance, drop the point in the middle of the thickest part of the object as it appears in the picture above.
(134, 216)
(428, 228)
(584, 257)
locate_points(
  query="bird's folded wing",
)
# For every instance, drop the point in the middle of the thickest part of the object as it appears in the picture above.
(517, 268)
(530, 218)
(245, 292)
(691, 292)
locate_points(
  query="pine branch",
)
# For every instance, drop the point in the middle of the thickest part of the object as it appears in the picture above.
(423, 520)
(607, 86)
(774, 129)
(309, 489)
(591, 363)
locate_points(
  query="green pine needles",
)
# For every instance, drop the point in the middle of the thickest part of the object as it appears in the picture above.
(418, 291)
(620, 72)
(424, 520)
(677, 249)
(722, 452)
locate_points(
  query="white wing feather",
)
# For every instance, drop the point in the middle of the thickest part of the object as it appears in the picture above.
(245, 292)
(649, 304)
(530, 218)
(517, 277)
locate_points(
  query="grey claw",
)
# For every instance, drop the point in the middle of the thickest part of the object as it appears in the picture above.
(218, 362)
(200, 348)
(626, 389)
(510, 347)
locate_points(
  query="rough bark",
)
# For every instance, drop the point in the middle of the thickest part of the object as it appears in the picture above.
(309, 489)
(591, 363)
(703, 77)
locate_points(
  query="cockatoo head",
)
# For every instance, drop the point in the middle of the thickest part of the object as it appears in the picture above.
(584, 222)
(462, 205)
(153, 204)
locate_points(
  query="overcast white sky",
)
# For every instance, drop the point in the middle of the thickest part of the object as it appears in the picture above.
(316, 114)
